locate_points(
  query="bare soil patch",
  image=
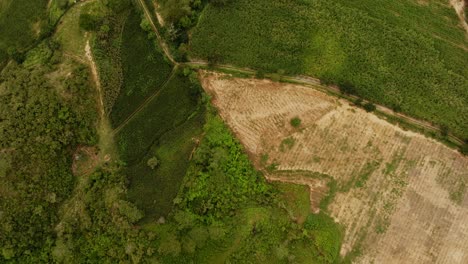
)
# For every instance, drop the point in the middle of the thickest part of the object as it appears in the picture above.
(402, 196)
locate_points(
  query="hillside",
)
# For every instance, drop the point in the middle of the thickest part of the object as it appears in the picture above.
(233, 131)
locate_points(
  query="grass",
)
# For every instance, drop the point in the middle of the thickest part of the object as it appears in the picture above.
(296, 198)
(153, 190)
(287, 144)
(165, 128)
(69, 34)
(388, 61)
(144, 69)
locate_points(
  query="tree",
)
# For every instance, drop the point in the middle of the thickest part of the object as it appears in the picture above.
(153, 162)
(296, 122)
(444, 131)
(347, 88)
(369, 107)
(219, 3)
(464, 149)
(170, 245)
(358, 102)
(89, 22)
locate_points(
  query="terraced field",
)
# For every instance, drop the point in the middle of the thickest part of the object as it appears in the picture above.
(401, 196)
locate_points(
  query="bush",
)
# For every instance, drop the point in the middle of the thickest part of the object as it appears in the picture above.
(296, 122)
(89, 22)
(464, 149)
(369, 107)
(358, 102)
(153, 163)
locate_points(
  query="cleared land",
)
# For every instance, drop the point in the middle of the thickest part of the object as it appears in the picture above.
(401, 196)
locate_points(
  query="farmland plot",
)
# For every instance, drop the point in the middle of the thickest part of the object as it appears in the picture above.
(401, 196)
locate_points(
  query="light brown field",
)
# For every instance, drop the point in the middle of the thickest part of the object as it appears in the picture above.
(402, 195)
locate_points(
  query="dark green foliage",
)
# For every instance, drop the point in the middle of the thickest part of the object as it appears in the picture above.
(144, 69)
(102, 231)
(166, 127)
(242, 33)
(39, 130)
(388, 59)
(327, 237)
(444, 130)
(118, 6)
(464, 149)
(18, 21)
(107, 48)
(358, 102)
(222, 178)
(180, 16)
(296, 122)
(89, 22)
(369, 107)
(347, 88)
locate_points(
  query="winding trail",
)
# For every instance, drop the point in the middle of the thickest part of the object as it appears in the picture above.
(304, 80)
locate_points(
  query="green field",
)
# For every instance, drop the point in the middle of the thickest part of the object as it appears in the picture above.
(165, 129)
(144, 69)
(375, 47)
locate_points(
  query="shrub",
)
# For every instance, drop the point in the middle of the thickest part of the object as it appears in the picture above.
(153, 163)
(464, 149)
(369, 107)
(89, 22)
(296, 122)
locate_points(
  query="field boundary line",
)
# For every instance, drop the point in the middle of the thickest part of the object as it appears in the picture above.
(146, 102)
(335, 91)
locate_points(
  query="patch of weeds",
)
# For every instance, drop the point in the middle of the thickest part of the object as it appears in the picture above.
(296, 122)
(365, 173)
(316, 159)
(382, 225)
(332, 190)
(287, 144)
(392, 166)
(457, 195)
(272, 167)
(264, 159)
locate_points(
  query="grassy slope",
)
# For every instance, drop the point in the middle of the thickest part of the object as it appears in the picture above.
(161, 129)
(389, 59)
(144, 69)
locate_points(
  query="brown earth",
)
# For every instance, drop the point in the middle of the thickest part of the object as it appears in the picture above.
(401, 195)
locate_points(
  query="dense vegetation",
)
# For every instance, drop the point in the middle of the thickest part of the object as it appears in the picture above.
(28, 20)
(182, 191)
(224, 203)
(420, 71)
(144, 68)
(165, 128)
(39, 130)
